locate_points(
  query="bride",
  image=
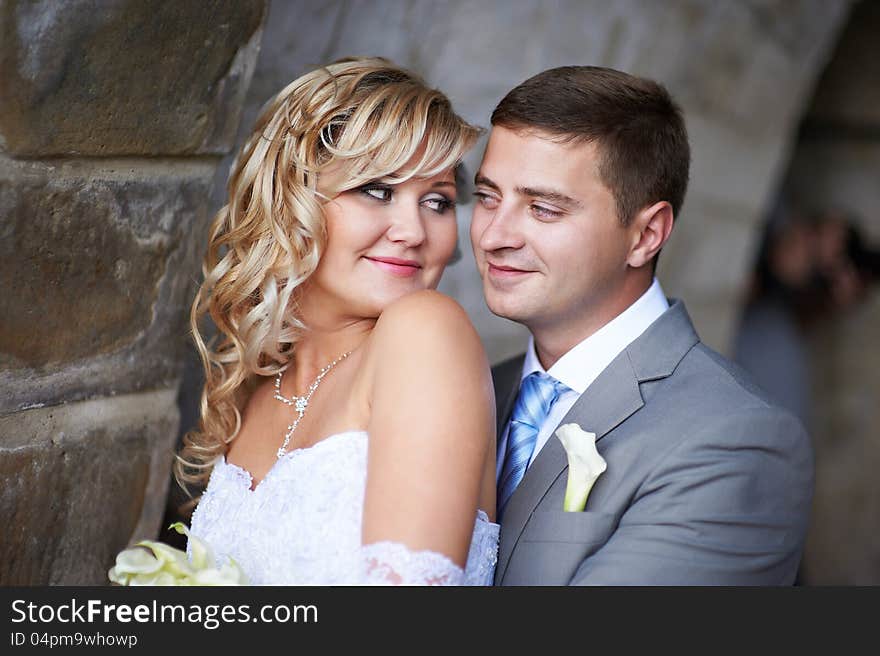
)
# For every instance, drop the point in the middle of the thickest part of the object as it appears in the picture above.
(347, 431)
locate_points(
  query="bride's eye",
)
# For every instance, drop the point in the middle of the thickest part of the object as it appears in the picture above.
(381, 193)
(438, 203)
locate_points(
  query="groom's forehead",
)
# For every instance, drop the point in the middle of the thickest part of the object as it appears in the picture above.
(527, 160)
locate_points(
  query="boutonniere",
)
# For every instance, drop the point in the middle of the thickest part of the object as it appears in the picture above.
(585, 465)
(156, 563)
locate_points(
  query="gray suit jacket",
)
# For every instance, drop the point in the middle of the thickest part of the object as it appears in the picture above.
(707, 482)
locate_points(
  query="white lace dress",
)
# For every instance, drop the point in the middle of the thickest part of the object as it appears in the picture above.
(302, 525)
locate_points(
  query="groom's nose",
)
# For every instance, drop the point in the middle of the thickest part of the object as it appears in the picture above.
(496, 230)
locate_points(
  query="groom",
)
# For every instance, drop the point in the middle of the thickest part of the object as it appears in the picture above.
(706, 482)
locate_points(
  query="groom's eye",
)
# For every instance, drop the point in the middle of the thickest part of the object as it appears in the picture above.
(486, 200)
(542, 212)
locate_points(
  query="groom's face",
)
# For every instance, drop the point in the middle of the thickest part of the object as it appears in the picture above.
(546, 237)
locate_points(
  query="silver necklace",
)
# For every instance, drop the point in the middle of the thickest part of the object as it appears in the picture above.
(300, 403)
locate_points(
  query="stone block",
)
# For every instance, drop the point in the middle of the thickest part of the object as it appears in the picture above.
(754, 62)
(131, 77)
(80, 482)
(98, 266)
(731, 164)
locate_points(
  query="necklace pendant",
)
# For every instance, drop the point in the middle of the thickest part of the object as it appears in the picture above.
(300, 403)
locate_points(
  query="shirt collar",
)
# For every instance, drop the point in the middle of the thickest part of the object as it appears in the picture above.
(581, 365)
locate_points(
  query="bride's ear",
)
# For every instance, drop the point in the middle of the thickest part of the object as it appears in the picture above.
(649, 231)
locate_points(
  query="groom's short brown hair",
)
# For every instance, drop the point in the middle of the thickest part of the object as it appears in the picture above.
(638, 128)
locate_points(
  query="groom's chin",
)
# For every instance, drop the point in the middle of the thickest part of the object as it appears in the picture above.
(501, 305)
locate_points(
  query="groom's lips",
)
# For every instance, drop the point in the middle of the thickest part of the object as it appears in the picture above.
(504, 272)
(396, 266)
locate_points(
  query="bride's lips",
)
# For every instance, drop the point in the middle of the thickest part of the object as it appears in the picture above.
(396, 266)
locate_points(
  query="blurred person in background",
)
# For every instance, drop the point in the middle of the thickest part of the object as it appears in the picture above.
(808, 270)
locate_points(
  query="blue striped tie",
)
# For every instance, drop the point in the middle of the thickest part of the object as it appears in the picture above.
(537, 394)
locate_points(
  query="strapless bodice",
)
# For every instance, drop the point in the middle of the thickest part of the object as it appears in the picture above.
(302, 524)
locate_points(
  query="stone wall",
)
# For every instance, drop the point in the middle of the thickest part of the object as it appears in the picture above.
(113, 118)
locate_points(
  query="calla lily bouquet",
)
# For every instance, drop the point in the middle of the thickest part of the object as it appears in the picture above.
(585, 465)
(156, 563)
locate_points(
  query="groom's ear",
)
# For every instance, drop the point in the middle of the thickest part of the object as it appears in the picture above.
(649, 231)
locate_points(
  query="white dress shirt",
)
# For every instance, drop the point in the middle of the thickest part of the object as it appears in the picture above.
(580, 366)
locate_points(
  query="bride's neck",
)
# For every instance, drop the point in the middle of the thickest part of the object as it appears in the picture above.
(321, 345)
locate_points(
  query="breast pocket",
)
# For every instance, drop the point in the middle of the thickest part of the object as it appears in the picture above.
(561, 526)
(554, 543)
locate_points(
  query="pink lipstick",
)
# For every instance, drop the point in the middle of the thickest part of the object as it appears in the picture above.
(396, 266)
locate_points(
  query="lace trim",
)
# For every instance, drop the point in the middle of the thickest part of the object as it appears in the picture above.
(236, 473)
(393, 563)
(483, 554)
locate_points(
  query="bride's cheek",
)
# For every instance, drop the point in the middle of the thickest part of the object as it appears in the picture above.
(446, 242)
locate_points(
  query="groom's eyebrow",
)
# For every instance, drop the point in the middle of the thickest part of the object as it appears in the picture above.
(550, 195)
(480, 179)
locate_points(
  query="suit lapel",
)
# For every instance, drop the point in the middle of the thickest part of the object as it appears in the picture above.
(611, 399)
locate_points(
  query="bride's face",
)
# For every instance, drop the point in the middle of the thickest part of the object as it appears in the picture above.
(384, 241)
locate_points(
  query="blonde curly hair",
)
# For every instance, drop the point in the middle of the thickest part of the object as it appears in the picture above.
(367, 118)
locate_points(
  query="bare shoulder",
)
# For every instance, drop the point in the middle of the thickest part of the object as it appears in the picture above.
(424, 308)
(427, 324)
(425, 350)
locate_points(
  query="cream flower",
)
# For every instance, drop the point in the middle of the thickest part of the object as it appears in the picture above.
(156, 563)
(585, 465)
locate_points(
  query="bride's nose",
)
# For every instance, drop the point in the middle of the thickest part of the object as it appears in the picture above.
(406, 225)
